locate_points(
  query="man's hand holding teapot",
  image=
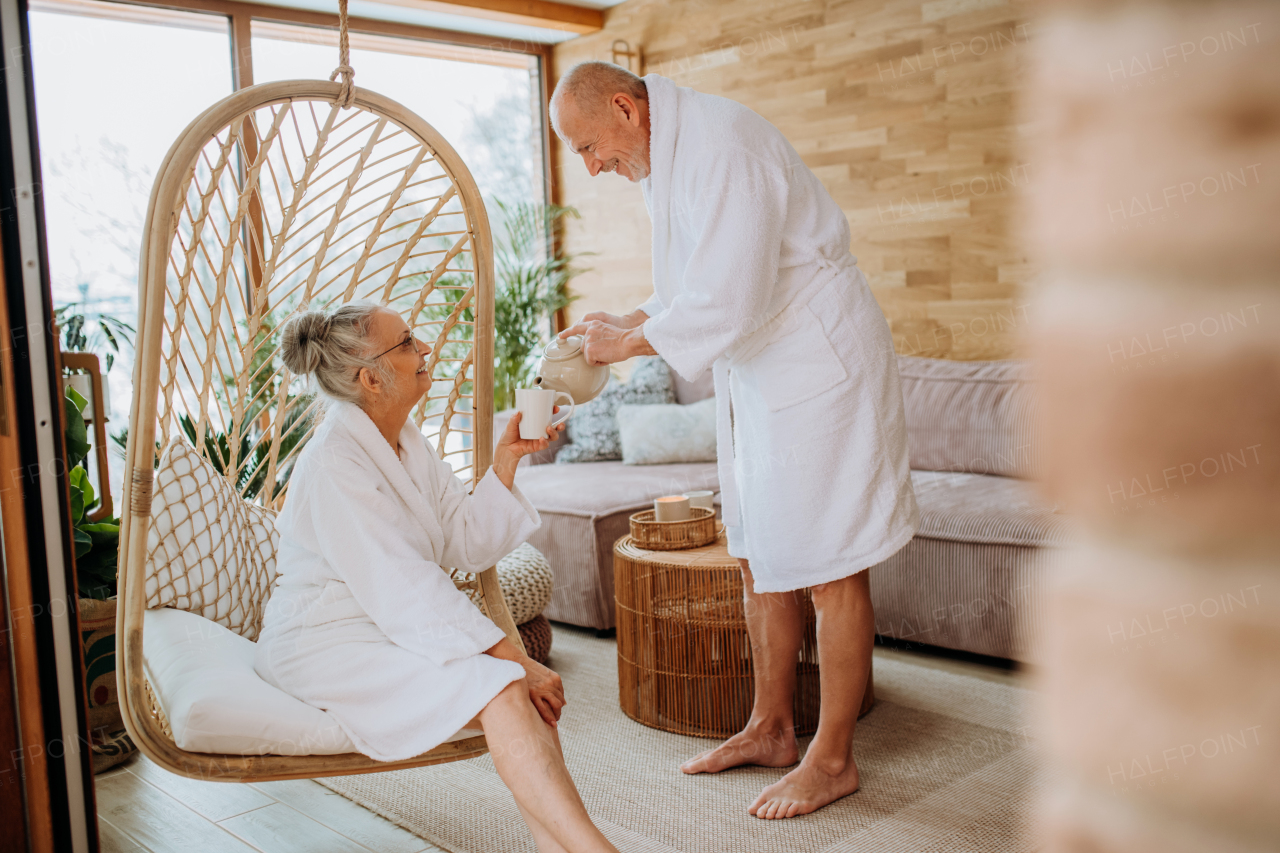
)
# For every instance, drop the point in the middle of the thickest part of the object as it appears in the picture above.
(608, 338)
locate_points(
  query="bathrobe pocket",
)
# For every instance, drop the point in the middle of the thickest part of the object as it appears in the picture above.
(336, 602)
(798, 364)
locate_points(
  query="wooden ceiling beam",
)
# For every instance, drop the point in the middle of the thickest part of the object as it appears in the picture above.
(530, 13)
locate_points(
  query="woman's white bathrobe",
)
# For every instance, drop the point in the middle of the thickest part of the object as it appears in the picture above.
(365, 624)
(753, 279)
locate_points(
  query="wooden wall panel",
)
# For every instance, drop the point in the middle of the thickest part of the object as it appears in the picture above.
(904, 110)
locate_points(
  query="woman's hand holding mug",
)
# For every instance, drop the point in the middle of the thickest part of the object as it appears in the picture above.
(511, 447)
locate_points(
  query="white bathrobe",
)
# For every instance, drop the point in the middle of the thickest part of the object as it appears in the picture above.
(365, 624)
(753, 278)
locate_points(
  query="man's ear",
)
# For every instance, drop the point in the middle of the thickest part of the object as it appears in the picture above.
(630, 112)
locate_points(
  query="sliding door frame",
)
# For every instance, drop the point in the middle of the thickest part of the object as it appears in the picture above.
(39, 572)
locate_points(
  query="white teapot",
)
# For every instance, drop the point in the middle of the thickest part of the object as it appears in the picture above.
(564, 368)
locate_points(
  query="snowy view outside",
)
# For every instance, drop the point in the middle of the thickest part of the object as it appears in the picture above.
(112, 95)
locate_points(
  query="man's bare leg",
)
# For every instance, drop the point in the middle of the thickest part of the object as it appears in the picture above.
(775, 625)
(846, 633)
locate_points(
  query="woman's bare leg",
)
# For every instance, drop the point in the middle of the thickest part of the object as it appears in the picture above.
(541, 835)
(527, 755)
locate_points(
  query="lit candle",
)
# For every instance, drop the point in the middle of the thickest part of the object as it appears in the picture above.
(672, 508)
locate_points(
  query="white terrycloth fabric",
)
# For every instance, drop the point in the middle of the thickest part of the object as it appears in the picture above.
(753, 277)
(365, 624)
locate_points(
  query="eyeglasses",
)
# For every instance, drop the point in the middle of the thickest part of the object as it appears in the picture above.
(409, 340)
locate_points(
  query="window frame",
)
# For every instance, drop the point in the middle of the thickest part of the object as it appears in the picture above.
(240, 17)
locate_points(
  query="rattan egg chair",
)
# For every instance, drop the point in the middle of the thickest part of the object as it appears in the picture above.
(284, 195)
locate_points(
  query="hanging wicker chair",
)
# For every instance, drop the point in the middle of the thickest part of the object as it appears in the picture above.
(278, 197)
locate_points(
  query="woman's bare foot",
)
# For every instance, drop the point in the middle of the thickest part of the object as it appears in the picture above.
(752, 745)
(806, 789)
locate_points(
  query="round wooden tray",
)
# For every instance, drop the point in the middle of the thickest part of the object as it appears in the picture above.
(674, 535)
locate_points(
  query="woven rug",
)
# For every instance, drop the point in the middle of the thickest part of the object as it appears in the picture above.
(944, 760)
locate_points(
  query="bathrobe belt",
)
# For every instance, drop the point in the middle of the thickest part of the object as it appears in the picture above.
(742, 352)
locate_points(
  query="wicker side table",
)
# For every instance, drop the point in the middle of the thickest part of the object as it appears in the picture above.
(684, 660)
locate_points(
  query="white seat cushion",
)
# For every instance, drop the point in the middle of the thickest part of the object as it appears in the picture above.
(203, 675)
(215, 701)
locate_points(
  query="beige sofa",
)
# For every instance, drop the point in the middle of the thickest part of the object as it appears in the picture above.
(971, 579)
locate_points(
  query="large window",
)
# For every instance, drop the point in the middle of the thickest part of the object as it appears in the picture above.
(481, 101)
(116, 83)
(114, 87)
(112, 95)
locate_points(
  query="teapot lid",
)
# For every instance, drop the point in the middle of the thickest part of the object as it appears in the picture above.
(564, 348)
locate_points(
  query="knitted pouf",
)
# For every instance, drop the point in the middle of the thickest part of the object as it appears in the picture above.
(525, 578)
(536, 634)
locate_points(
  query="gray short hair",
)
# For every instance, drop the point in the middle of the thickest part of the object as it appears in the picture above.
(592, 84)
(332, 347)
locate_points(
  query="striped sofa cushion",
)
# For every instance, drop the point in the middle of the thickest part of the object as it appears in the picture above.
(988, 510)
(969, 416)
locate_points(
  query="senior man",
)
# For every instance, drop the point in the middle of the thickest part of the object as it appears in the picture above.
(753, 279)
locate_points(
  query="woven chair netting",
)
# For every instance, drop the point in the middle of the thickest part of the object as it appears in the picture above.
(300, 204)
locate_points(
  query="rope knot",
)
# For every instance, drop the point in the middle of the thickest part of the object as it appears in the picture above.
(347, 96)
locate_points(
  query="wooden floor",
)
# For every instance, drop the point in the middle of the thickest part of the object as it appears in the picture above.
(142, 807)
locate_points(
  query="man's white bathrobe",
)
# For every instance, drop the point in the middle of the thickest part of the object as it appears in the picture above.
(365, 624)
(753, 279)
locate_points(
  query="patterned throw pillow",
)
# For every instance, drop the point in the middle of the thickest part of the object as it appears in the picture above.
(655, 435)
(209, 551)
(593, 429)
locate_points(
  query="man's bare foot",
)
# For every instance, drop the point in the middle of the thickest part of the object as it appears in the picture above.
(752, 745)
(806, 789)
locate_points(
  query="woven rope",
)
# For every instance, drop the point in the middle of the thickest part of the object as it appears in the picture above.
(347, 98)
(157, 712)
(143, 479)
(208, 551)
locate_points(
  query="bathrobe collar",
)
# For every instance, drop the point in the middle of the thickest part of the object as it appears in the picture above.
(362, 430)
(664, 117)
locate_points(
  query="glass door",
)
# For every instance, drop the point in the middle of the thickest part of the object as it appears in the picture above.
(115, 84)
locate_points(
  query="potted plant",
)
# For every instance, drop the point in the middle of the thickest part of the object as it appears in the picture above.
(97, 547)
(532, 285)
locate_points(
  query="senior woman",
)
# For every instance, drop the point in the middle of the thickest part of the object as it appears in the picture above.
(364, 622)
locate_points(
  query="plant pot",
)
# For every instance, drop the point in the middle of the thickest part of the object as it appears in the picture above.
(108, 740)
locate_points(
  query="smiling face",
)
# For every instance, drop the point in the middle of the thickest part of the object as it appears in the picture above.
(612, 139)
(402, 354)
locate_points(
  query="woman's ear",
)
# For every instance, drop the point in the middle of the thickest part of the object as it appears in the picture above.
(369, 381)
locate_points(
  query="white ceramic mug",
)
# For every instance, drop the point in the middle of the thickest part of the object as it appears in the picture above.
(535, 405)
(702, 498)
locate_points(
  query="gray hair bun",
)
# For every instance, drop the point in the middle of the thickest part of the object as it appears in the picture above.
(304, 340)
